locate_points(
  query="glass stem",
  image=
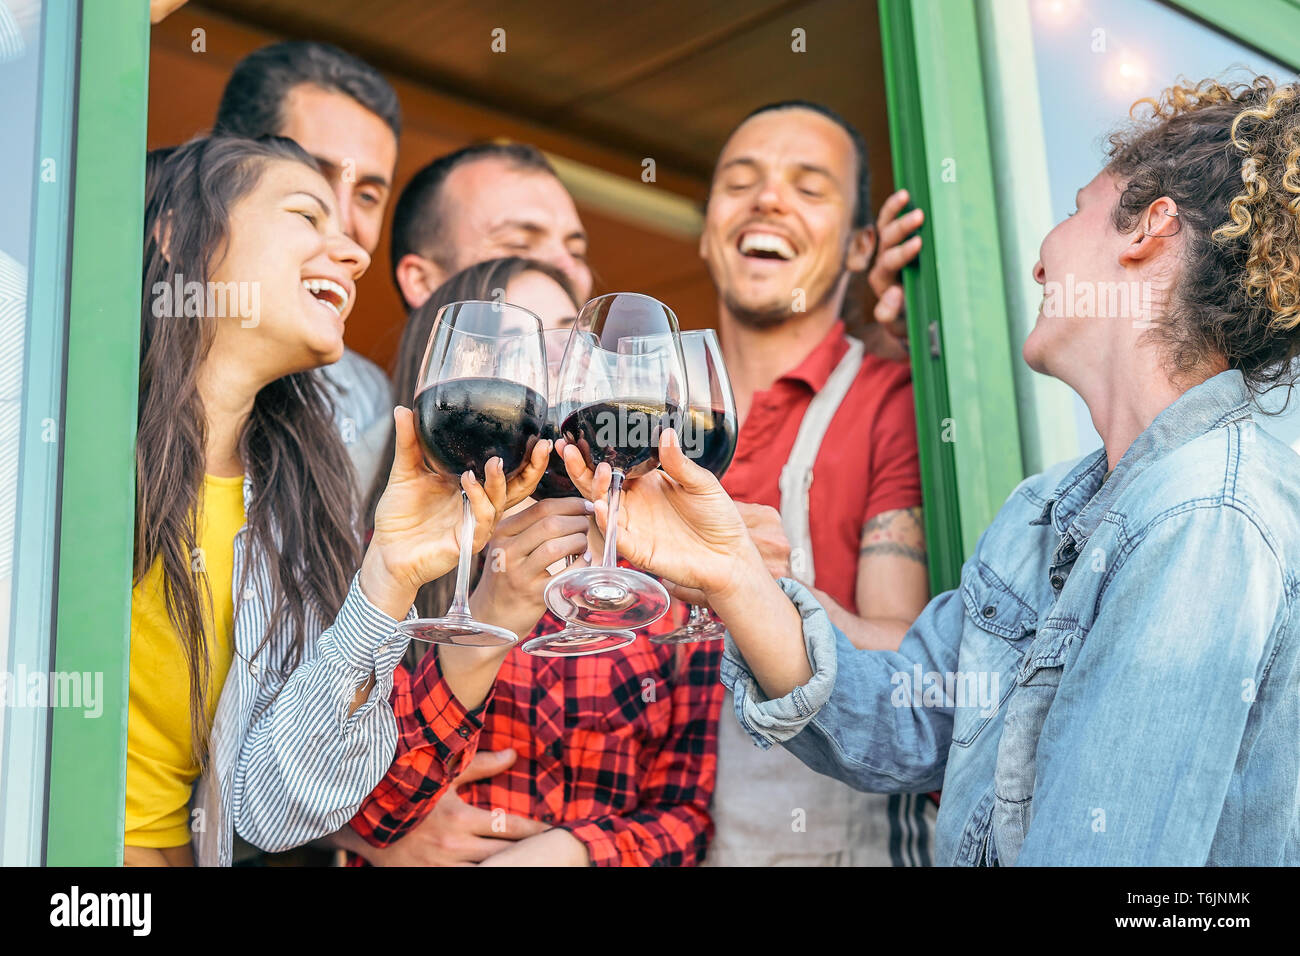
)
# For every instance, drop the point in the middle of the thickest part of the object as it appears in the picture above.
(610, 558)
(698, 615)
(460, 604)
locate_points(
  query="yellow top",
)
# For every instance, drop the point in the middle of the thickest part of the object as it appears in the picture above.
(160, 763)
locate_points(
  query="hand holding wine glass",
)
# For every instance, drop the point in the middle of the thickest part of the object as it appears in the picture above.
(480, 406)
(679, 523)
(621, 382)
(676, 522)
(525, 544)
(709, 439)
(573, 640)
(418, 519)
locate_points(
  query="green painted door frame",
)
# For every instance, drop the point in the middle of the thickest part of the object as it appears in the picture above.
(87, 776)
(967, 424)
(1270, 26)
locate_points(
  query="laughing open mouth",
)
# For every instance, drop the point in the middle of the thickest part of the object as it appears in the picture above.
(327, 293)
(764, 245)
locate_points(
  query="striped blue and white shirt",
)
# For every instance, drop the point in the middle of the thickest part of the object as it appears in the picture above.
(287, 763)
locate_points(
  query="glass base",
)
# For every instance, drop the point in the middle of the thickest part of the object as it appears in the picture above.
(578, 642)
(460, 631)
(697, 633)
(606, 598)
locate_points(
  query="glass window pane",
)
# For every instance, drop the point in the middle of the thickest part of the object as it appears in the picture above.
(37, 44)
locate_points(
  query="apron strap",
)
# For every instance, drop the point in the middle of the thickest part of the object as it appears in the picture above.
(797, 475)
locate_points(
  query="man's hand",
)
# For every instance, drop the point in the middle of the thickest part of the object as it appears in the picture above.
(456, 834)
(895, 250)
(676, 521)
(768, 535)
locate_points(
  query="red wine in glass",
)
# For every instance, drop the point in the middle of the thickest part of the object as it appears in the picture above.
(708, 437)
(621, 382)
(481, 393)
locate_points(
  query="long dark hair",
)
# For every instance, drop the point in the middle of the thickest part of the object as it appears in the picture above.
(486, 281)
(301, 515)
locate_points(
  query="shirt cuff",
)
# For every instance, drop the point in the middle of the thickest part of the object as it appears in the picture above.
(364, 636)
(601, 843)
(771, 722)
(441, 721)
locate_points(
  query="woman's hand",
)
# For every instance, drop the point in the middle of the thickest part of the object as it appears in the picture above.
(509, 593)
(418, 519)
(677, 522)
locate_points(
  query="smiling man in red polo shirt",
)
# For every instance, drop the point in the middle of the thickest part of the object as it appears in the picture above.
(828, 437)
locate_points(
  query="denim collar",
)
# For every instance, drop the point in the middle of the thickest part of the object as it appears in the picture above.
(1082, 498)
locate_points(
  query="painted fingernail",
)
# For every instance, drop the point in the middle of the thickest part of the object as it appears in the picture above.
(586, 555)
(589, 506)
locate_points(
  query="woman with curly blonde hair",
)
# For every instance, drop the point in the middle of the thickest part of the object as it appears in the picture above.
(1117, 679)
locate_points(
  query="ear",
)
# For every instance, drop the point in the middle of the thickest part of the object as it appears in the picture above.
(417, 277)
(862, 243)
(1153, 233)
(162, 235)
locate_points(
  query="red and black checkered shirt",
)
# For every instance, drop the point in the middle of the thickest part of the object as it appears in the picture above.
(619, 748)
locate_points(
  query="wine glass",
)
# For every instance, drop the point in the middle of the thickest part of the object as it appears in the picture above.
(708, 437)
(573, 641)
(556, 482)
(481, 393)
(622, 381)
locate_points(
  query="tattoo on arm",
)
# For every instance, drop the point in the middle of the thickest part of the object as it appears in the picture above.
(897, 533)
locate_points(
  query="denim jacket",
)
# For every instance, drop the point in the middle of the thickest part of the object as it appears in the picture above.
(1116, 680)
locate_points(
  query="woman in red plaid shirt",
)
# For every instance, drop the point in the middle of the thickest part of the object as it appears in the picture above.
(615, 754)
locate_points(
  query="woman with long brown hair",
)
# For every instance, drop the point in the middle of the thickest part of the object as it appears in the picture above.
(247, 543)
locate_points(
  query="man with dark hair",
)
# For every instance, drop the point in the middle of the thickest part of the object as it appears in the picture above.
(827, 437)
(346, 115)
(482, 202)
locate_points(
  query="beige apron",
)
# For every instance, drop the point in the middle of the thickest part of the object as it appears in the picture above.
(768, 808)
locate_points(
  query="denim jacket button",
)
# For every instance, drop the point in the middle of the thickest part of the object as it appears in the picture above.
(989, 611)
(1057, 582)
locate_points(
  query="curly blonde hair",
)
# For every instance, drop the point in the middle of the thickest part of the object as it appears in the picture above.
(1229, 156)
